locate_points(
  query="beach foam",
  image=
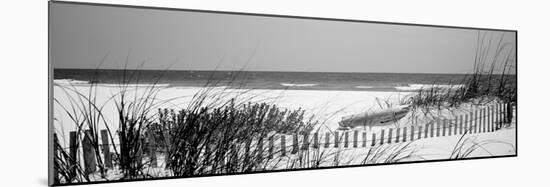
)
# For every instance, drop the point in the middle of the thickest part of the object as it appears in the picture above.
(298, 85)
(364, 87)
(416, 87)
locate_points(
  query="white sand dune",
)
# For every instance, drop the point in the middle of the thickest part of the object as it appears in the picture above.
(328, 106)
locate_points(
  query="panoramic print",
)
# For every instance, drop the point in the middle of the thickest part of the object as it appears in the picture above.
(144, 93)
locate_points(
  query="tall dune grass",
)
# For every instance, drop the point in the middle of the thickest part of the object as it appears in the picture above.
(213, 139)
(493, 77)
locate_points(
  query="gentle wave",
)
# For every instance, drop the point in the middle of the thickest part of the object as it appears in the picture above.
(79, 82)
(364, 87)
(135, 85)
(416, 87)
(298, 85)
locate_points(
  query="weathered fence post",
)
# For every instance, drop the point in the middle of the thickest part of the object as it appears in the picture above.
(489, 118)
(373, 139)
(449, 124)
(404, 134)
(390, 133)
(153, 150)
(476, 115)
(505, 113)
(364, 139)
(509, 113)
(461, 127)
(499, 115)
(283, 145)
(327, 139)
(485, 117)
(295, 144)
(315, 140)
(444, 131)
(305, 144)
(476, 126)
(336, 140)
(355, 137)
(88, 151)
(382, 137)
(73, 147)
(470, 122)
(346, 139)
(483, 122)
(106, 151)
(493, 121)
(271, 147)
(397, 132)
(471, 126)
(504, 108)
(450, 127)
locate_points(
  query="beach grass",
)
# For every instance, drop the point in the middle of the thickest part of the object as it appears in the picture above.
(492, 78)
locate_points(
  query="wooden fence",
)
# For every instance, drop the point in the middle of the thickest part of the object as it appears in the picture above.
(481, 120)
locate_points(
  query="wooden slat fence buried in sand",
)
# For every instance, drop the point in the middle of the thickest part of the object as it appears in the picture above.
(487, 119)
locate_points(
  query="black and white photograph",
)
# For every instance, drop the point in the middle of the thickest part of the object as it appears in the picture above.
(139, 93)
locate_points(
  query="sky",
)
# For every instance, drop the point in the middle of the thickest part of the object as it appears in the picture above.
(89, 37)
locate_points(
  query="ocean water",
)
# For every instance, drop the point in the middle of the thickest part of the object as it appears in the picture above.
(263, 80)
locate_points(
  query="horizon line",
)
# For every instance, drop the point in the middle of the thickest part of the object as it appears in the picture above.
(513, 73)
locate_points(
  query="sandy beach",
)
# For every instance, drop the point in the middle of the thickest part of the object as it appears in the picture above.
(328, 106)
